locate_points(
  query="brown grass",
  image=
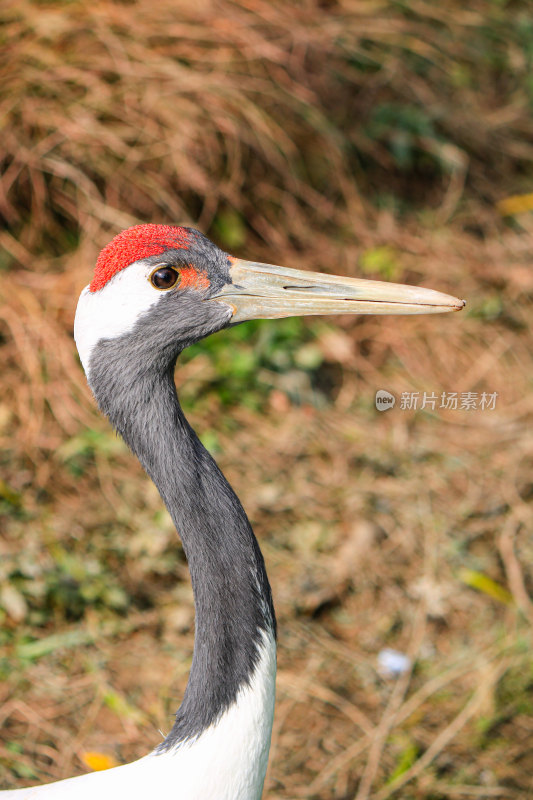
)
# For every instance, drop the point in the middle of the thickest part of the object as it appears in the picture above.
(281, 114)
(249, 120)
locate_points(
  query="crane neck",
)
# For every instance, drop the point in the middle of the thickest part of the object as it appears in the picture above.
(235, 618)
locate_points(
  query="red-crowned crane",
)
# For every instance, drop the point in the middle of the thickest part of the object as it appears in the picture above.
(157, 289)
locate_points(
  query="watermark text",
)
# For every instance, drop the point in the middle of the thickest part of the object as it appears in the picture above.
(432, 401)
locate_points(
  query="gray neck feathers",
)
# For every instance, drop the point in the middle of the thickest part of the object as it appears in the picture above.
(231, 591)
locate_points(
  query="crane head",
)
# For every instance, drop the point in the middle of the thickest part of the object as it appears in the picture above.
(159, 288)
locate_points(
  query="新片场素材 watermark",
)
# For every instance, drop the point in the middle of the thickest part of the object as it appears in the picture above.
(451, 401)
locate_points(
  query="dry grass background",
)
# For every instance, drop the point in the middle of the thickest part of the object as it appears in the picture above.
(358, 137)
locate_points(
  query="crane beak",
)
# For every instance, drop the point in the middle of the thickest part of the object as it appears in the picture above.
(264, 291)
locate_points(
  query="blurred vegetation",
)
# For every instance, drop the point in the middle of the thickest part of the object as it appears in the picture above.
(258, 120)
(381, 138)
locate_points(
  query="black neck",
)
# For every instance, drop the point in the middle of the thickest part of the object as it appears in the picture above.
(231, 591)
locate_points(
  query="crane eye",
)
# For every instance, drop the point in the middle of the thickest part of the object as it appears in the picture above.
(164, 277)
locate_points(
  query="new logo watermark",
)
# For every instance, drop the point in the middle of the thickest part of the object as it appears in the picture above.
(452, 401)
(384, 400)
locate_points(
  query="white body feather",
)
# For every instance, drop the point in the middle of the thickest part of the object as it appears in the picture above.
(227, 762)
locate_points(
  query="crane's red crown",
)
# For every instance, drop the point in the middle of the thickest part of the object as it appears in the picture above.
(135, 243)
